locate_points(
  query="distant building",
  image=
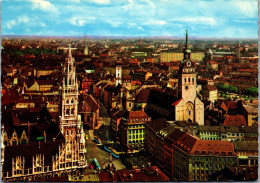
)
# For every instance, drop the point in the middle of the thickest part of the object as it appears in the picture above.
(247, 152)
(139, 54)
(210, 93)
(177, 56)
(230, 133)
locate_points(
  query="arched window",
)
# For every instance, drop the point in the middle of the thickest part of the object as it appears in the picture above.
(72, 101)
(67, 112)
(188, 79)
(70, 81)
(184, 80)
(14, 142)
(72, 111)
(192, 80)
(5, 142)
(67, 101)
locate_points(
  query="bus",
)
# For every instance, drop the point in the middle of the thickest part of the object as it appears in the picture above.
(108, 149)
(96, 164)
(115, 154)
(97, 140)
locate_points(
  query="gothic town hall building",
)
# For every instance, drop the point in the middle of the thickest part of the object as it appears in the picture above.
(49, 151)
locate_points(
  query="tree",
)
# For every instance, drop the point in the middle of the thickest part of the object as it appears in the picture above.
(252, 91)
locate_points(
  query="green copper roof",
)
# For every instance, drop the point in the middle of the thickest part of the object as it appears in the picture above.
(187, 40)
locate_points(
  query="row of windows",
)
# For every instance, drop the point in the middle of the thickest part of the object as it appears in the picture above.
(136, 136)
(188, 80)
(137, 130)
(210, 138)
(135, 141)
(70, 101)
(70, 112)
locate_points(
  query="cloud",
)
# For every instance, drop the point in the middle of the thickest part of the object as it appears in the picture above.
(134, 26)
(196, 20)
(245, 21)
(81, 21)
(155, 22)
(100, 2)
(248, 8)
(44, 6)
(25, 20)
(150, 3)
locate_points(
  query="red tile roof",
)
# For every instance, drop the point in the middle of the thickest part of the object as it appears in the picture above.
(194, 145)
(150, 174)
(214, 147)
(137, 114)
(210, 87)
(235, 120)
(175, 103)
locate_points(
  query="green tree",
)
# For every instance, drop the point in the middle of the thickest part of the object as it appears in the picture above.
(252, 91)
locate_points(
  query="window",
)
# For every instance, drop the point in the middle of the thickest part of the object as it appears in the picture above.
(72, 111)
(129, 104)
(188, 79)
(72, 101)
(67, 112)
(14, 142)
(192, 80)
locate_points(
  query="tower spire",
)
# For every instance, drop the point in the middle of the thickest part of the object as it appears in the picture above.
(187, 40)
(186, 52)
(69, 51)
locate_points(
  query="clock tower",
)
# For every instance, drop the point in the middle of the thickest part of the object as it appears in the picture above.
(187, 76)
(118, 72)
(191, 108)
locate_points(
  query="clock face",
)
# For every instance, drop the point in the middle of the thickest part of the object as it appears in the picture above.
(189, 63)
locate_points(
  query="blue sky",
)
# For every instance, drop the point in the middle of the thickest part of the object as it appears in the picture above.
(203, 18)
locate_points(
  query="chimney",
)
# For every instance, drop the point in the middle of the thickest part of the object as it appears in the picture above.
(39, 144)
(157, 172)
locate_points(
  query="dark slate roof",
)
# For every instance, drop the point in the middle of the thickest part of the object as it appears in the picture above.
(49, 149)
(246, 145)
(143, 96)
(157, 124)
(161, 99)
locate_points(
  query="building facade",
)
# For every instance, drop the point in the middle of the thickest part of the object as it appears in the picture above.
(71, 125)
(131, 130)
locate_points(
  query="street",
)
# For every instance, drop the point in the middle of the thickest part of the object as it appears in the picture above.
(95, 150)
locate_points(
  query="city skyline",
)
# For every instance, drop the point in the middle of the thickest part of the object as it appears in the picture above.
(143, 18)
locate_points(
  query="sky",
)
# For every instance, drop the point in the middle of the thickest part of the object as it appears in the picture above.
(137, 18)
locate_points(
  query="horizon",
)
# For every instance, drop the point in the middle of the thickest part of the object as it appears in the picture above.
(177, 38)
(205, 19)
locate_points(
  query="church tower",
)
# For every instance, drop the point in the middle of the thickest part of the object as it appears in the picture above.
(187, 76)
(193, 107)
(71, 125)
(118, 72)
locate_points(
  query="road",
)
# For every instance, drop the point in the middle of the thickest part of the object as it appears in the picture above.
(96, 151)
